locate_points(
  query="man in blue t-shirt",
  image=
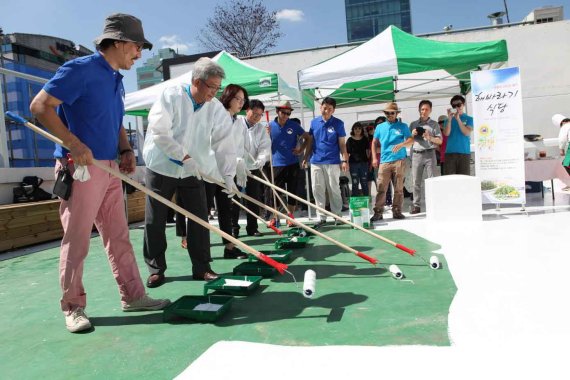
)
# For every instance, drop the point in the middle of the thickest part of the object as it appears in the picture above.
(458, 128)
(327, 143)
(393, 137)
(285, 135)
(83, 106)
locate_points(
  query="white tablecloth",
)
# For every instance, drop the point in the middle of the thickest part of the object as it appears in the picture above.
(545, 169)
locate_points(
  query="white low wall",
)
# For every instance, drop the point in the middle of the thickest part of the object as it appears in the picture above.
(10, 178)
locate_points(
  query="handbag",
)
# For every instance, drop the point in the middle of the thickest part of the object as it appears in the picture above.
(63, 182)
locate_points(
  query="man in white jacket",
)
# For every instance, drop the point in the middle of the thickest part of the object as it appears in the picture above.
(188, 133)
(256, 150)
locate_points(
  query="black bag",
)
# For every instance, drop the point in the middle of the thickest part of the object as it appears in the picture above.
(63, 182)
(30, 191)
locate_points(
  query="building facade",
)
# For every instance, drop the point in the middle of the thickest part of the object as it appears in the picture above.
(367, 18)
(40, 56)
(150, 73)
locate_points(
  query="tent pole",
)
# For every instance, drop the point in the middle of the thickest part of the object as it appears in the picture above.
(307, 187)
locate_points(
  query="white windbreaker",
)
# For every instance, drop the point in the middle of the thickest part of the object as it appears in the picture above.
(258, 143)
(175, 130)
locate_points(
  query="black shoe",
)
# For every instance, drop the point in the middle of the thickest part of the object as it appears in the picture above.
(235, 232)
(376, 217)
(256, 234)
(208, 275)
(320, 223)
(155, 280)
(234, 253)
(338, 222)
(344, 208)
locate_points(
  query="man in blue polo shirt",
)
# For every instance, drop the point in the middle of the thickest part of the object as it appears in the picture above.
(458, 129)
(327, 143)
(285, 134)
(393, 137)
(83, 106)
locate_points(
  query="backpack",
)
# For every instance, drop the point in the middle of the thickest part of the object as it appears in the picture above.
(30, 191)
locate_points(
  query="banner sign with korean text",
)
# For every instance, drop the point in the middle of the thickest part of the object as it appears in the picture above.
(498, 135)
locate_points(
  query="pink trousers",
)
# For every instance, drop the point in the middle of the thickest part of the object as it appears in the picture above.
(97, 201)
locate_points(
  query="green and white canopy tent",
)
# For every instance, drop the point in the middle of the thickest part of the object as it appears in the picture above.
(397, 66)
(266, 86)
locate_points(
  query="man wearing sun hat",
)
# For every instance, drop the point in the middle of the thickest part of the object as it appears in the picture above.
(83, 106)
(393, 136)
(562, 122)
(285, 134)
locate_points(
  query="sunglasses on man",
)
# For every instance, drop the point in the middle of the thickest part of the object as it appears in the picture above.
(456, 105)
(288, 113)
(389, 113)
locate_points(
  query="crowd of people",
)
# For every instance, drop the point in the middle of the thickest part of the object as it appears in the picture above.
(199, 151)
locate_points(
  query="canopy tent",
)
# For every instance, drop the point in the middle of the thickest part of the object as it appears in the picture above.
(397, 66)
(266, 86)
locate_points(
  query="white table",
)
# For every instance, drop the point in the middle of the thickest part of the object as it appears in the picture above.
(546, 169)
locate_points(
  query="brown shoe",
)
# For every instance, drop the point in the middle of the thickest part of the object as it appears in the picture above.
(397, 215)
(155, 280)
(376, 217)
(415, 210)
(206, 276)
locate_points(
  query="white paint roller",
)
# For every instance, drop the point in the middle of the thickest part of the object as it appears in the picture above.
(434, 262)
(309, 283)
(396, 272)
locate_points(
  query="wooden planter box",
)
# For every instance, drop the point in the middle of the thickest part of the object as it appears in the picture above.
(25, 224)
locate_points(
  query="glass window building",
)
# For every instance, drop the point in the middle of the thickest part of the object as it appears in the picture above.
(366, 19)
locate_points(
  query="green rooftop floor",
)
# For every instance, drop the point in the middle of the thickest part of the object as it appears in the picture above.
(355, 304)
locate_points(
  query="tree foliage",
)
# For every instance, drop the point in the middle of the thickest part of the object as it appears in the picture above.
(241, 27)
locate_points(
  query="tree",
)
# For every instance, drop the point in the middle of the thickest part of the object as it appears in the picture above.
(241, 27)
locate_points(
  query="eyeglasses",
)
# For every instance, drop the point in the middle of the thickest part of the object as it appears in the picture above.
(288, 113)
(256, 115)
(214, 88)
(389, 113)
(456, 105)
(240, 100)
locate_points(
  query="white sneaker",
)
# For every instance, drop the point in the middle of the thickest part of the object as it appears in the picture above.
(77, 321)
(146, 303)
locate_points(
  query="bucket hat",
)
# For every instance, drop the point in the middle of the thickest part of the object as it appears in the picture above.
(123, 27)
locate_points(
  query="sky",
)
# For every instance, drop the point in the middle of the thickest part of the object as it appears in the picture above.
(177, 23)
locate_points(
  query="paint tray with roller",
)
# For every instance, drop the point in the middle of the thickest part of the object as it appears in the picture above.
(291, 242)
(198, 308)
(297, 231)
(279, 255)
(234, 285)
(255, 268)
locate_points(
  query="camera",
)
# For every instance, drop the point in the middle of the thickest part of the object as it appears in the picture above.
(420, 131)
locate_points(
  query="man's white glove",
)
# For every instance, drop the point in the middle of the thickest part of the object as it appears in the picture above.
(191, 167)
(231, 188)
(258, 164)
(241, 172)
(81, 173)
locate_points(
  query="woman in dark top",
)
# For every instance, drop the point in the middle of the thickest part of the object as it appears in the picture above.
(358, 149)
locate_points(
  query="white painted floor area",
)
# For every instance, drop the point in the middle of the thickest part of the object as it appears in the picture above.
(509, 319)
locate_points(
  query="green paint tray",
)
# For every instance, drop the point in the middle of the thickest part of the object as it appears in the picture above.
(255, 268)
(300, 242)
(299, 232)
(279, 255)
(198, 308)
(220, 285)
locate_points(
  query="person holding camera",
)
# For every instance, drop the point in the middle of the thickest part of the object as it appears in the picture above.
(457, 129)
(427, 137)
